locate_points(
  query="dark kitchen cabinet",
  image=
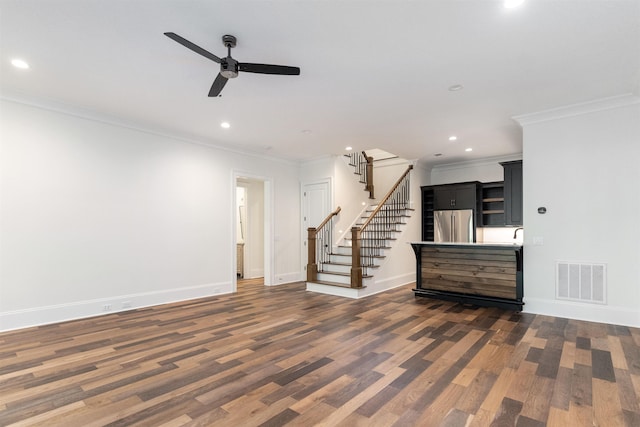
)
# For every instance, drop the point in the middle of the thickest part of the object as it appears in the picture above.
(447, 197)
(512, 192)
(455, 196)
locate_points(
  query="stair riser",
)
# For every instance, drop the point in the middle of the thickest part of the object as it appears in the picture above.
(335, 268)
(346, 259)
(346, 280)
(341, 250)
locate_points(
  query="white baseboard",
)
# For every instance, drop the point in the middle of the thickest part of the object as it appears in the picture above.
(332, 290)
(281, 279)
(381, 285)
(37, 316)
(372, 286)
(583, 311)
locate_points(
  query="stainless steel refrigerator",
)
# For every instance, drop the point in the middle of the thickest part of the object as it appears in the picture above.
(453, 225)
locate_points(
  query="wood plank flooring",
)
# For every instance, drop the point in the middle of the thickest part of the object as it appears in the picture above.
(274, 356)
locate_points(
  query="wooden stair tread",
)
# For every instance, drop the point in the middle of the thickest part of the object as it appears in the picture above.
(329, 283)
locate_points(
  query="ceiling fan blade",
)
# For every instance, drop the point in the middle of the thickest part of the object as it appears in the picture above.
(197, 49)
(268, 69)
(217, 85)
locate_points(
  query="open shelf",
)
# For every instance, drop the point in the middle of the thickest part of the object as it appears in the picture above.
(493, 204)
(427, 214)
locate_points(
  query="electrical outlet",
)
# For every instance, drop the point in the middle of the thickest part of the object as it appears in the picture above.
(538, 241)
(106, 307)
(126, 304)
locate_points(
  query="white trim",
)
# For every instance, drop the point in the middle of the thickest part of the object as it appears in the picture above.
(388, 283)
(372, 286)
(284, 278)
(578, 109)
(18, 319)
(583, 311)
(486, 161)
(395, 161)
(332, 290)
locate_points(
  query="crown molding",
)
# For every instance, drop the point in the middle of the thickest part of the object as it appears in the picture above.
(486, 161)
(99, 117)
(572, 110)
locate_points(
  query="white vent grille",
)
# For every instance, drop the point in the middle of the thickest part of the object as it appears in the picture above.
(584, 282)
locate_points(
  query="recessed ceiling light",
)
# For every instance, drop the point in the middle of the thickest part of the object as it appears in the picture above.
(225, 125)
(19, 63)
(468, 149)
(306, 131)
(348, 148)
(453, 138)
(510, 4)
(455, 88)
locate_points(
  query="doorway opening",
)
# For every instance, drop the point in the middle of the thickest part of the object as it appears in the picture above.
(251, 232)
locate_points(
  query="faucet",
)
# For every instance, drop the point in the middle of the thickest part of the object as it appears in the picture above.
(515, 233)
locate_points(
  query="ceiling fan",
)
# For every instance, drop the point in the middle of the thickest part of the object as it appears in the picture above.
(229, 67)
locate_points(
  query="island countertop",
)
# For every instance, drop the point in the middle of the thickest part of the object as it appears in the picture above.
(464, 244)
(476, 273)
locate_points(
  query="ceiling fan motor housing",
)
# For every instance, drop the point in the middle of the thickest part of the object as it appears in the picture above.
(229, 67)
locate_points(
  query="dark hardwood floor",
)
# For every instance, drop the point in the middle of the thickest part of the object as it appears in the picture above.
(274, 356)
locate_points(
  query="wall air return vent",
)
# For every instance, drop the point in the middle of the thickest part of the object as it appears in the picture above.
(584, 282)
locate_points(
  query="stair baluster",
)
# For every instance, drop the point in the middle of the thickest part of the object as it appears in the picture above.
(319, 245)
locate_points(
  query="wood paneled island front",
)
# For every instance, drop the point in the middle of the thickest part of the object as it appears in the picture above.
(471, 273)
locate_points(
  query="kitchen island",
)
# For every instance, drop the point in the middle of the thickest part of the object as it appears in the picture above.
(486, 274)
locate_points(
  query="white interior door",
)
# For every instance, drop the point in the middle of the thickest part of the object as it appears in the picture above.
(316, 205)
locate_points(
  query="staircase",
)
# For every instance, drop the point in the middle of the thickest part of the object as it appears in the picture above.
(351, 264)
(374, 245)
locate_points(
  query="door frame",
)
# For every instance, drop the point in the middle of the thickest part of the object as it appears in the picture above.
(268, 262)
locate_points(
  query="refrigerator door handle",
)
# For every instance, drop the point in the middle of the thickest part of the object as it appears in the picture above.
(453, 227)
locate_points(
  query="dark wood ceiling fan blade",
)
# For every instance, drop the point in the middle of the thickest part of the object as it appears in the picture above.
(194, 47)
(217, 85)
(268, 69)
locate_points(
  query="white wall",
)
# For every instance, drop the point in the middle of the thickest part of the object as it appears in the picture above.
(95, 214)
(349, 194)
(582, 164)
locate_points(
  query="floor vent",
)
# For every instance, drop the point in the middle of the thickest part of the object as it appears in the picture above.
(584, 282)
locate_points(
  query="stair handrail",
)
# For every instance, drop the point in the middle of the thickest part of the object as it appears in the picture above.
(312, 245)
(363, 165)
(383, 230)
(386, 198)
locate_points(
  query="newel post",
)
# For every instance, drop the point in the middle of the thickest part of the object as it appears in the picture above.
(312, 267)
(356, 269)
(369, 177)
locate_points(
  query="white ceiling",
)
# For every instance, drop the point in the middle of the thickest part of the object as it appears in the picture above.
(374, 74)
